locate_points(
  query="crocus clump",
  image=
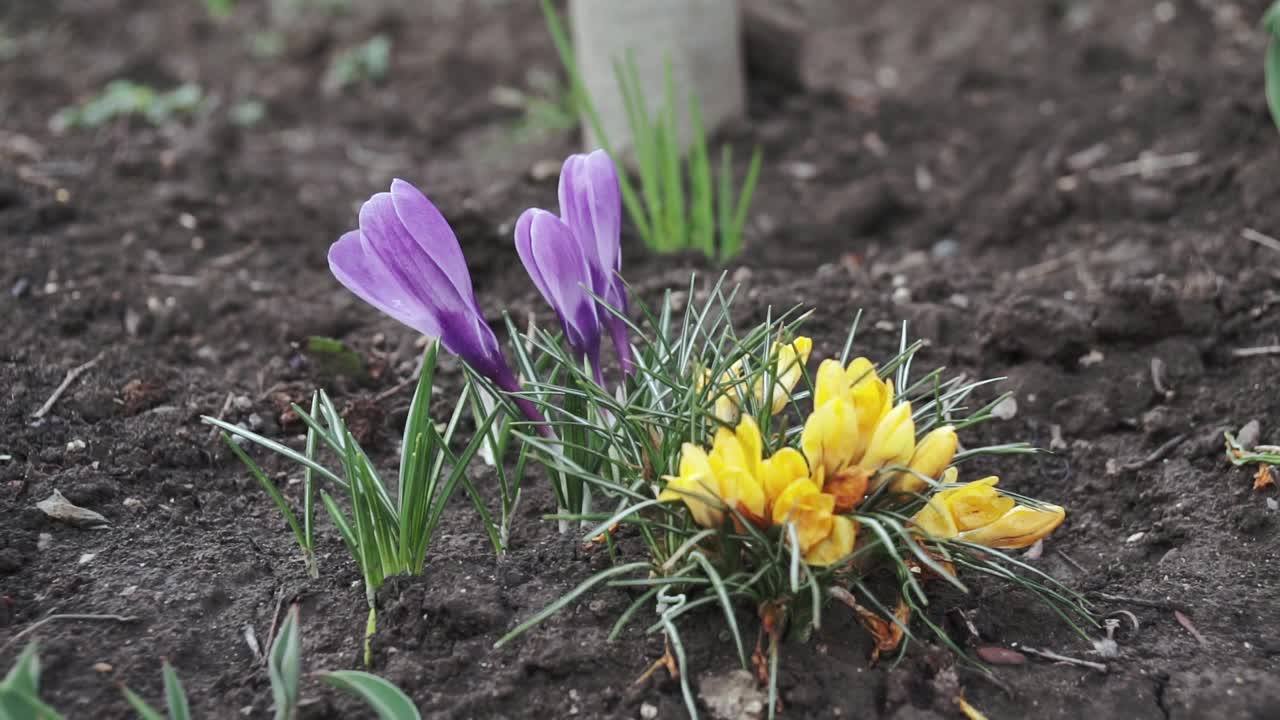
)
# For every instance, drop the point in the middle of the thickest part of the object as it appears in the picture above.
(405, 261)
(574, 258)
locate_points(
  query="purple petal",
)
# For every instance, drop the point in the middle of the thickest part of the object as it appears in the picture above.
(432, 233)
(604, 200)
(565, 273)
(524, 248)
(414, 270)
(364, 274)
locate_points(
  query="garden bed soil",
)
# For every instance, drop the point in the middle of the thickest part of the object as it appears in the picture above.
(992, 208)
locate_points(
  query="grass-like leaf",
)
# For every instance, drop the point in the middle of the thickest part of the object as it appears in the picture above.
(387, 701)
(284, 666)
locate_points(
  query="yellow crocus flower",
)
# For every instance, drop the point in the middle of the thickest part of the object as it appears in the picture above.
(842, 460)
(790, 359)
(978, 513)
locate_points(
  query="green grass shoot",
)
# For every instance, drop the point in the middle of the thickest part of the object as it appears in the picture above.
(682, 203)
(1271, 22)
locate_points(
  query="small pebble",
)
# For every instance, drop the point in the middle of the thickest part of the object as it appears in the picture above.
(1273, 504)
(44, 541)
(1136, 537)
(648, 711)
(802, 171)
(187, 220)
(242, 403)
(945, 248)
(544, 170)
(901, 296)
(75, 446)
(1006, 409)
(103, 667)
(255, 422)
(130, 502)
(87, 558)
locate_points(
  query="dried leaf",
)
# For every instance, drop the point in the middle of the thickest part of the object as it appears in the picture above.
(59, 508)
(1264, 478)
(997, 655)
(886, 633)
(1190, 627)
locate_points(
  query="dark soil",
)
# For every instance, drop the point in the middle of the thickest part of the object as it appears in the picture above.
(191, 258)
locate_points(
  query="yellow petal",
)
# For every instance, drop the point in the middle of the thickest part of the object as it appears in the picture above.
(935, 520)
(727, 450)
(776, 473)
(933, 454)
(748, 434)
(693, 460)
(836, 546)
(1020, 527)
(788, 371)
(700, 494)
(726, 409)
(830, 384)
(894, 440)
(830, 436)
(793, 493)
(977, 504)
(813, 515)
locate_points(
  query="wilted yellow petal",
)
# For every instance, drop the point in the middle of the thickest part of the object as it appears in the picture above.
(977, 505)
(1020, 527)
(830, 384)
(778, 472)
(933, 454)
(830, 436)
(894, 440)
(836, 546)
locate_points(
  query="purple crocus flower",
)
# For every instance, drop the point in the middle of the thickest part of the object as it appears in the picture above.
(580, 251)
(405, 261)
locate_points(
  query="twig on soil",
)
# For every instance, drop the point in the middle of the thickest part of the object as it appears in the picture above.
(1159, 604)
(1064, 659)
(234, 257)
(66, 616)
(1048, 267)
(1146, 165)
(1156, 455)
(1255, 351)
(226, 405)
(1071, 560)
(1264, 240)
(72, 374)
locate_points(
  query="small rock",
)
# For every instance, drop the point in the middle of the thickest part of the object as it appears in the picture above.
(75, 446)
(132, 502)
(1136, 537)
(1093, 357)
(87, 558)
(960, 301)
(1152, 203)
(802, 171)
(255, 422)
(242, 403)
(187, 221)
(1006, 409)
(59, 508)
(1273, 504)
(945, 248)
(1249, 434)
(648, 711)
(44, 541)
(544, 170)
(901, 295)
(732, 696)
(102, 667)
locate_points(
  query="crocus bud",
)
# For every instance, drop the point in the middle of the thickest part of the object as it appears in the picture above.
(933, 454)
(558, 267)
(591, 206)
(405, 261)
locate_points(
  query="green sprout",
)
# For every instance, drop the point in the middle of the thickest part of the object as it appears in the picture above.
(20, 690)
(387, 532)
(369, 61)
(1271, 22)
(710, 216)
(220, 9)
(124, 98)
(547, 107)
